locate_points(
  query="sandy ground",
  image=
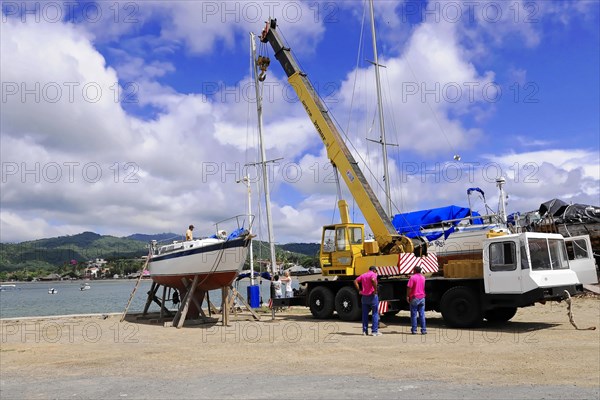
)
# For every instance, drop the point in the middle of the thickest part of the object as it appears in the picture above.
(539, 354)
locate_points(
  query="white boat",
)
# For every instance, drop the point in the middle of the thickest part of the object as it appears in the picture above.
(85, 286)
(7, 287)
(216, 260)
(455, 232)
(52, 291)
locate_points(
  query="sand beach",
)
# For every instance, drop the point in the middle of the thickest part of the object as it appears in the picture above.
(539, 354)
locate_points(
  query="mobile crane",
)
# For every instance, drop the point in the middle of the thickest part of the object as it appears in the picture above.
(517, 270)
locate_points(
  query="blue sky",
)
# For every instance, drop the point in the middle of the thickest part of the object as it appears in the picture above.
(513, 87)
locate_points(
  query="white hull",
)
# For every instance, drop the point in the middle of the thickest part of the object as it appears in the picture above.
(216, 261)
(463, 242)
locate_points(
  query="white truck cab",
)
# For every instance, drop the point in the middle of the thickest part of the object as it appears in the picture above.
(581, 259)
(525, 262)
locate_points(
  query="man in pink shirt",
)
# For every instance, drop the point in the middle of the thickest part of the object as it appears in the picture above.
(415, 296)
(370, 300)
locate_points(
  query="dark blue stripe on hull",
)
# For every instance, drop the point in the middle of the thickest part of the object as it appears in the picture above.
(243, 242)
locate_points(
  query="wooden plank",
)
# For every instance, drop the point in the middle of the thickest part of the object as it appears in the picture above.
(185, 305)
(151, 294)
(210, 305)
(202, 294)
(224, 305)
(162, 304)
(245, 303)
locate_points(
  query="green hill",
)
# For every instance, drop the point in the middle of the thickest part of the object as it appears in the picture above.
(55, 252)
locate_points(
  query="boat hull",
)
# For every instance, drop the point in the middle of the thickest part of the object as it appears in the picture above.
(465, 244)
(216, 263)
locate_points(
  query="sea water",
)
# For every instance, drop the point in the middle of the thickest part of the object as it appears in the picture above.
(31, 299)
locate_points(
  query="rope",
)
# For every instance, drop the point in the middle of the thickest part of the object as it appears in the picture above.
(570, 314)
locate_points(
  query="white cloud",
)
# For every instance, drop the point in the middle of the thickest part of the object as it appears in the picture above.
(183, 163)
(425, 90)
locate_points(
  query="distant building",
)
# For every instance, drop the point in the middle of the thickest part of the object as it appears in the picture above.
(98, 262)
(51, 277)
(95, 268)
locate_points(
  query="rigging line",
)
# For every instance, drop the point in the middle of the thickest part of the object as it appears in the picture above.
(250, 75)
(435, 116)
(348, 141)
(358, 53)
(390, 98)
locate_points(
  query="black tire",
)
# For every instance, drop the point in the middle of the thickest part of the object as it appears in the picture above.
(460, 307)
(502, 314)
(320, 301)
(347, 304)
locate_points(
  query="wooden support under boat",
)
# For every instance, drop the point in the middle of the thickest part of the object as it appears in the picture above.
(162, 304)
(185, 305)
(190, 307)
(239, 296)
(225, 305)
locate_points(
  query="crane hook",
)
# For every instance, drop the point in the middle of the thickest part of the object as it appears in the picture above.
(263, 64)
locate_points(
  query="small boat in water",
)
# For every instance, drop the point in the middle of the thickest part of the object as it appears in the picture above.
(8, 287)
(85, 286)
(52, 291)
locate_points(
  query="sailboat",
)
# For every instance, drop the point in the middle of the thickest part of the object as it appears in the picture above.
(216, 260)
(454, 232)
(406, 261)
(449, 233)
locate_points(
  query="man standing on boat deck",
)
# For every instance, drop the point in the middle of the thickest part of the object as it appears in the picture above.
(189, 234)
(370, 300)
(415, 296)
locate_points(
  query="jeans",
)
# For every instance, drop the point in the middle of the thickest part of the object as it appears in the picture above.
(417, 305)
(370, 303)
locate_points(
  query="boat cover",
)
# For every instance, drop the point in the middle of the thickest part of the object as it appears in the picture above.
(265, 275)
(554, 207)
(235, 234)
(410, 224)
(565, 212)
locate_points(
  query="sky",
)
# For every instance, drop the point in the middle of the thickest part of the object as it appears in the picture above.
(140, 116)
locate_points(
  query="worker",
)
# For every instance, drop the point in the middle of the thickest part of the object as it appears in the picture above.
(415, 296)
(276, 285)
(370, 300)
(189, 233)
(286, 279)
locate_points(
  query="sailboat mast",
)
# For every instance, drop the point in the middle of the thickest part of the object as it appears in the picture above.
(386, 175)
(263, 161)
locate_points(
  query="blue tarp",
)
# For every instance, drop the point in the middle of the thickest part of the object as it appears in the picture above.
(235, 234)
(410, 224)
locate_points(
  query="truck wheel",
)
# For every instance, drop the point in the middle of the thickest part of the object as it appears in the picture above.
(320, 301)
(502, 314)
(460, 307)
(347, 304)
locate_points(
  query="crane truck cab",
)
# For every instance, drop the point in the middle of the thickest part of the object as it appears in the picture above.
(529, 265)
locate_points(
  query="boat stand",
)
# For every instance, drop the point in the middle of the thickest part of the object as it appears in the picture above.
(229, 298)
(158, 300)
